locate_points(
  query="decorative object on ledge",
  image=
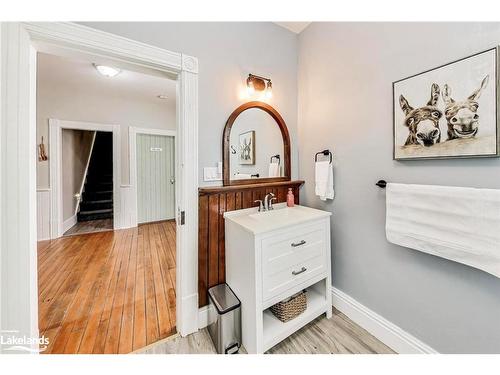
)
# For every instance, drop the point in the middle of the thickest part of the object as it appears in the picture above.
(212, 203)
(42, 155)
(324, 153)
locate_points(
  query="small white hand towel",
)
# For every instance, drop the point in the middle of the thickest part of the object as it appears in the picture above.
(274, 170)
(324, 180)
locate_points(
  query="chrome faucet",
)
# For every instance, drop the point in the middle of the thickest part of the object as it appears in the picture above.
(268, 201)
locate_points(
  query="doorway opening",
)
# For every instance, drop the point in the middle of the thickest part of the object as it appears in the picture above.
(88, 170)
(21, 41)
(106, 284)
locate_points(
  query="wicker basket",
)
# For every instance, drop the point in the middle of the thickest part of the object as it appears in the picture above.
(290, 308)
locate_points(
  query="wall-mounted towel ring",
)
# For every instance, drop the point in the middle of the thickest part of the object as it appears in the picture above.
(325, 153)
(275, 157)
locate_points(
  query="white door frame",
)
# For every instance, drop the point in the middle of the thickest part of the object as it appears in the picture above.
(55, 167)
(132, 144)
(20, 41)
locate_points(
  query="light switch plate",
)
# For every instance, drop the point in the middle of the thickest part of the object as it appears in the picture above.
(211, 174)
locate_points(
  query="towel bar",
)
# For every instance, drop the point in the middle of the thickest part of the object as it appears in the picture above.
(325, 153)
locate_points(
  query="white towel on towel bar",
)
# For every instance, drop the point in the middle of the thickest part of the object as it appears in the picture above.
(459, 224)
(324, 180)
(274, 170)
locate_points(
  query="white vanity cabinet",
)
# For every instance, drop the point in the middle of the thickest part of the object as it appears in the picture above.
(271, 256)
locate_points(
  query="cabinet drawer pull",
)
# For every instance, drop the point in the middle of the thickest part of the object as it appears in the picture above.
(295, 273)
(295, 244)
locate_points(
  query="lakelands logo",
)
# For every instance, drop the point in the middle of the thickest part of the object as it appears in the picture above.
(12, 341)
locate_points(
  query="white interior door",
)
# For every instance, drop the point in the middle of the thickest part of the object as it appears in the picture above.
(155, 157)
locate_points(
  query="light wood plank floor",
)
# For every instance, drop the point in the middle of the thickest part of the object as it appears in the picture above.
(338, 335)
(108, 292)
(90, 226)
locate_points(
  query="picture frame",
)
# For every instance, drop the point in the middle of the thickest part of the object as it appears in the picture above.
(448, 112)
(247, 148)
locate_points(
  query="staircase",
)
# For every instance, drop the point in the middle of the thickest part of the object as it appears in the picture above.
(97, 197)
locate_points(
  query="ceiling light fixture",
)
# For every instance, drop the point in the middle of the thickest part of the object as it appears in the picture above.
(107, 71)
(259, 84)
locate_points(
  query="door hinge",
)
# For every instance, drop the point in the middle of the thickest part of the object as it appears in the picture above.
(183, 217)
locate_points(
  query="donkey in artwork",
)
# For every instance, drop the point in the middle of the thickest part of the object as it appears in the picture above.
(423, 122)
(246, 149)
(462, 116)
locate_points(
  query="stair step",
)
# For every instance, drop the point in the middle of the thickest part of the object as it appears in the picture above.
(91, 205)
(97, 195)
(95, 215)
(96, 211)
(98, 186)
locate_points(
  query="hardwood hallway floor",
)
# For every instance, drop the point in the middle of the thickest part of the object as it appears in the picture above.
(108, 292)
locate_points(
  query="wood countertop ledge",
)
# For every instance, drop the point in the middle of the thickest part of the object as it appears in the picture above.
(207, 190)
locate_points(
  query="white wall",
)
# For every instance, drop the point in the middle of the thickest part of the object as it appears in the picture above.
(226, 52)
(346, 72)
(71, 100)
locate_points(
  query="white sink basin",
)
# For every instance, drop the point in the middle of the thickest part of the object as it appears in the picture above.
(280, 217)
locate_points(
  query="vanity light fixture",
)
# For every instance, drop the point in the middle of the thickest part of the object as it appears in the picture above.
(107, 71)
(259, 84)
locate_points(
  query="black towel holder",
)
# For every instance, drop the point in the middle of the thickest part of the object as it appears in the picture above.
(325, 153)
(381, 184)
(275, 157)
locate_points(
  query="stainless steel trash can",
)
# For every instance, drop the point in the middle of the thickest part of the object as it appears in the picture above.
(224, 319)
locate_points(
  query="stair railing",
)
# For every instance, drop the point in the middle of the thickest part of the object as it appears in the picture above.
(78, 196)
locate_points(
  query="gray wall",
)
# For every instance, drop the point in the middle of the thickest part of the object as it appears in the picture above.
(76, 149)
(345, 104)
(227, 52)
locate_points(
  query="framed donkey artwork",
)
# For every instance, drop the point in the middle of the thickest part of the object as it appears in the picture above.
(449, 111)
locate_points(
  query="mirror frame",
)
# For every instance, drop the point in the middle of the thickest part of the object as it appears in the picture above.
(226, 167)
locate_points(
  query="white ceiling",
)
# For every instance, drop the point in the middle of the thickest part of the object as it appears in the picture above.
(81, 73)
(295, 27)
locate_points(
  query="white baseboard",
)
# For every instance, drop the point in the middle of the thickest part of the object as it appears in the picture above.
(203, 316)
(69, 223)
(390, 334)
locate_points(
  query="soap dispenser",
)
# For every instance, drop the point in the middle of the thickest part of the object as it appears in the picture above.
(290, 198)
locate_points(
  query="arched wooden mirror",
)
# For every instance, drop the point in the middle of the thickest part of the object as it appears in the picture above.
(255, 146)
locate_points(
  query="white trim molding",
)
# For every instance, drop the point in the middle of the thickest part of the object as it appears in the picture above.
(56, 175)
(390, 334)
(69, 223)
(43, 214)
(18, 256)
(132, 151)
(203, 316)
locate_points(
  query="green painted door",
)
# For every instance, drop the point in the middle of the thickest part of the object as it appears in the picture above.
(155, 178)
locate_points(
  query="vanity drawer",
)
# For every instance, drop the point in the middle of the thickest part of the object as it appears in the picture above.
(276, 283)
(282, 251)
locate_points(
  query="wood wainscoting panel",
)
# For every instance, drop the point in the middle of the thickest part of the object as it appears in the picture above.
(213, 202)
